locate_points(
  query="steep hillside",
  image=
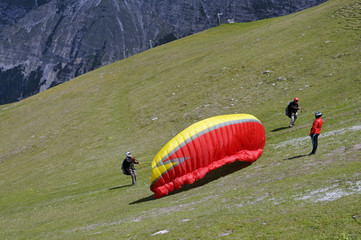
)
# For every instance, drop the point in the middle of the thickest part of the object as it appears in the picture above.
(61, 150)
(47, 42)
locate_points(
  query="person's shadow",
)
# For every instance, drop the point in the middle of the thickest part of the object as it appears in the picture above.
(211, 176)
(298, 156)
(279, 129)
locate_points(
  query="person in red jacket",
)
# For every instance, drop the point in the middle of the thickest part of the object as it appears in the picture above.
(315, 131)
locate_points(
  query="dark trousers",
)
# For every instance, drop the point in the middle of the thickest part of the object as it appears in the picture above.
(314, 138)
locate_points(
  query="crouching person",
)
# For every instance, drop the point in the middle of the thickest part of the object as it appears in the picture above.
(128, 167)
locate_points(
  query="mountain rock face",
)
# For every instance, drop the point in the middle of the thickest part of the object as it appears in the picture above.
(46, 42)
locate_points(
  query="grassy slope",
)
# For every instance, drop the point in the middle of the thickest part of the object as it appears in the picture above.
(61, 150)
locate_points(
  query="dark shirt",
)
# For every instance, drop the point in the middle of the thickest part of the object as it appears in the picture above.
(293, 107)
(128, 165)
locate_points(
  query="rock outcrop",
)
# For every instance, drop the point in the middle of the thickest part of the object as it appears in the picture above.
(46, 42)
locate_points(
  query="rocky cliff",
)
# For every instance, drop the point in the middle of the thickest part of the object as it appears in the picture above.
(47, 42)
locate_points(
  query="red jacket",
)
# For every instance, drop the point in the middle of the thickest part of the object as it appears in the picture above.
(316, 126)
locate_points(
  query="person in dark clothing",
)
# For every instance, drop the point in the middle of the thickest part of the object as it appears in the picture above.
(291, 110)
(128, 167)
(315, 131)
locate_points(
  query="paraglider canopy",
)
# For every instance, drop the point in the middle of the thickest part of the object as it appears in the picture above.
(206, 146)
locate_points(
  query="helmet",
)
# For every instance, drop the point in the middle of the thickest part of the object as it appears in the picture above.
(318, 114)
(296, 99)
(128, 154)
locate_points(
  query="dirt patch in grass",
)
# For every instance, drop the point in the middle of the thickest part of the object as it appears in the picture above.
(331, 193)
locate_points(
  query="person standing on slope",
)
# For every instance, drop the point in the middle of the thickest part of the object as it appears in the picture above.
(291, 111)
(128, 167)
(315, 131)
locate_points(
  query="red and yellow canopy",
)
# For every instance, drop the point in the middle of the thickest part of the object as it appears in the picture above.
(205, 146)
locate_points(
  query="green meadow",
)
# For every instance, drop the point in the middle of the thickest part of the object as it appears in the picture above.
(61, 150)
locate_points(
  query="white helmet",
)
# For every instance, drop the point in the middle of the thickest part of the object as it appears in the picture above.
(318, 114)
(128, 154)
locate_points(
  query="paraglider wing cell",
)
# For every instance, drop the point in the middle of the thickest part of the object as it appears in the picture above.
(206, 146)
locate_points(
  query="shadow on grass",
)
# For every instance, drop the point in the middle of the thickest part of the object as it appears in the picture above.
(298, 156)
(211, 176)
(123, 186)
(279, 129)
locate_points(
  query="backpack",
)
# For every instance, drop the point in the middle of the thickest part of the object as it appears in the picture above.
(286, 110)
(124, 169)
